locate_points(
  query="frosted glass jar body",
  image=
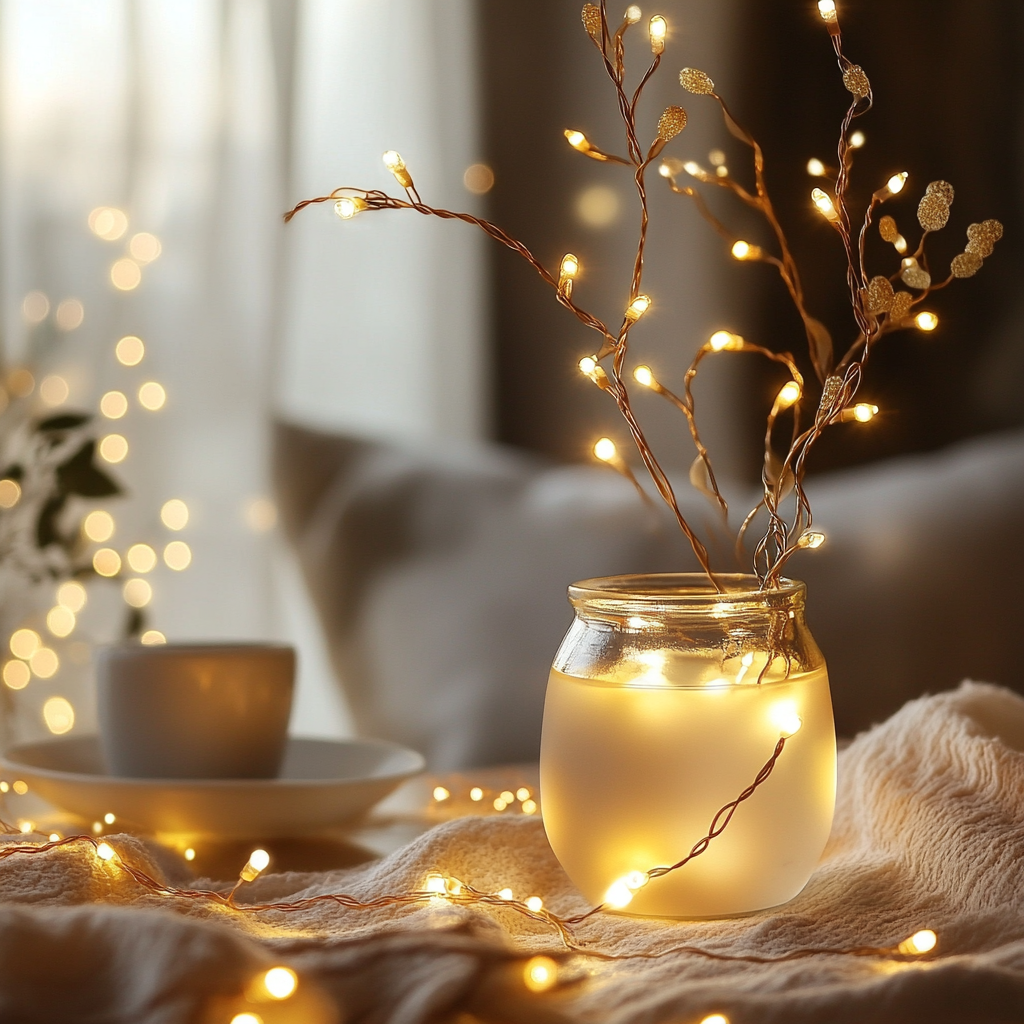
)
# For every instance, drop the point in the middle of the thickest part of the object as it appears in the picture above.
(665, 700)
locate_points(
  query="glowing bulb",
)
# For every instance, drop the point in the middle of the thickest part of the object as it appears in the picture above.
(152, 396)
(106, 562)
(145, 247)
(476, 794)
(862, 412)
(570, 266)
(529, 807)
(721, 341)
(60, 621)
(177, 555)
(788, 395)
(35, 307)
(900, 245)
(741, 250)
(16, 675)
(25, 642)
(125, 275)
(130, 350)
(789, 723)
(20, 382)
(926, 321)
(694, 169)
(522, 793)
(815, 168)
(72, 595)
(540, 973)
(715, 1018)
(137, 592)
(44, 663)
(896, 182)
(396, 165)
(105, 852)
(19, 787)
(637, 308)
(190, 854)
(98, 526)
(440, 793)
(642, 375)
(824, 205)
(577, 140)
(141, 557)
(10, 493)
(113, 405)
(633, 14)
(587, 365)
(919, 943)
(247, 1018)
(619, 894)
(605, 449)
(54, 837)
(54, 390)
(152, 637)
(505, 894)
(113, 448)
(658, 30)
(534, 904)
(348, 206)
(255, 865)
(109, 818)
(280, 982)
(811, 539)
(499, 804)
(59, 715)
(108, 223)
(827, 9)
(857, 140)
(174, 514)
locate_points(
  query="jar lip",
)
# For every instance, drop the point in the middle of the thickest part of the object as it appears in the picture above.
(681, 589)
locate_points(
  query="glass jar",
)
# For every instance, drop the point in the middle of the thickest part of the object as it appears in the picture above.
(666, 700)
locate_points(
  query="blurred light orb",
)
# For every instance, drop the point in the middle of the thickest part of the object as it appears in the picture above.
(478, 179)
(108, 223)
(137, 592)
(598, 206)
(152, 396)
(20, 382)
(24, 643)
(857, 139)
(125, 275)
(174, 514)
(16, 675)
(815, 168)
(44, 663)
(10, 493)
(145, 247)
(114, 405)
(177, 555)
(70, 314)
(35, 307)
(54, 390)
(280, 982)
(60, 621)
(152, 637)
(59, 715)
(98, 526)
(113, 448)
(106, 562)
(72, 595)
(141, 558)
(130, 350)
(260, 515)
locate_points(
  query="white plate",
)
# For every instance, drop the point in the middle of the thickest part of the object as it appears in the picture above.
(323, 783)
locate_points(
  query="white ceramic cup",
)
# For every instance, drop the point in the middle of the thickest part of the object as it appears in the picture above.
(194, 711)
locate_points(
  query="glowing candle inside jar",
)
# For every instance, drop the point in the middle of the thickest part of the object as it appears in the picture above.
(635, 766)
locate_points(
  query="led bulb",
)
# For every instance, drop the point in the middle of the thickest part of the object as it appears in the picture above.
(619, 894)
(105, 852)
(348, 206)
(815, 168)
(857, 139)
(721, 341)
(827, 9)
(588, 365)
(659, 30)
(577, 140)
(570, 266)
(440, 793)
(534, 904)
(810, 539)
(637, 308)
(257, 863)
(896, 182)
(926, 321)
(280, 982)
(540, 973)
(643, 375)
(633, 14)
(788, 395)
(605, 449)
(862, 412)
(741, 250)
(920, 942)
(396, 165)
(435, 884)
(825, 206)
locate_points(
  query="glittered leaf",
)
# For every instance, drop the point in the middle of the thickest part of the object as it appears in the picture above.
(697, 82)
(967, 264)
(887, 229)
(943, 188)
(933, 211)
(830, 392)
(671, 123)
(915, 275)
(982, 237)
(856, 81)
(900, 307)
(819, 341)
(592, 20)
(880, 295)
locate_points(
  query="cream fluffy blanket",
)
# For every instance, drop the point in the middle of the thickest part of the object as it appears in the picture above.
(929, 833)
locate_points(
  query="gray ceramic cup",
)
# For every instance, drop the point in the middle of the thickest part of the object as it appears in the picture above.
(194, 711)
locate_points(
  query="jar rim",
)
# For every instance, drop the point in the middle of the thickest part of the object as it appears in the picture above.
(682, 589)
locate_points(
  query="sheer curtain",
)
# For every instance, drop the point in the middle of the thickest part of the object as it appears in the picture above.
(178, 114)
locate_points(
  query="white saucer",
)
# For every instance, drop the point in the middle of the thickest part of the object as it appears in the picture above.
(323, 784)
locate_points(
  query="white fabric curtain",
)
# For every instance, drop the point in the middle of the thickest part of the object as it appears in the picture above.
(178, 113)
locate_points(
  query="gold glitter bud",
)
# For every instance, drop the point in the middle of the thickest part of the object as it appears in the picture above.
(592, 20)
(830, 392)
(915, 275)
(880, 295)
(671, 123)
(933, 211)
(856, 81)
(943, 188)
(982, 237)
(900, 306)
(887, 229)
(967, 264)
(697, 82)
